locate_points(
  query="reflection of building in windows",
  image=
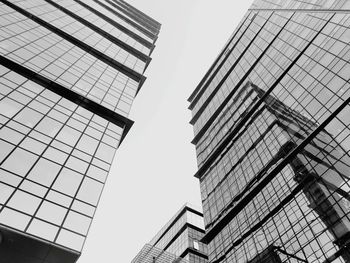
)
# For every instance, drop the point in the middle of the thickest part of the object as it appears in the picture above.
(272, 133)
(69, 72)
(178, 241)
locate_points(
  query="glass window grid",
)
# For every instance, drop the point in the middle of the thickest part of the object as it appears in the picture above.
(339, 133)
(96, 5)
(230, 116)
(287, 45)
(286, 4)
(256, 159)
(35, 92)
(64, 63)
(57, 18)
(251, 31)
(268, 31)
(142, 25)
(101, 23)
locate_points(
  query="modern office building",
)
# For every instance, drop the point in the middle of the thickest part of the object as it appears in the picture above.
(69, 72)
(178, 241)
(271, 120)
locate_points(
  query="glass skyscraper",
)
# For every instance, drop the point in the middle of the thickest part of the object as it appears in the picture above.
(271, 120)
(178, 241)
(69, 72)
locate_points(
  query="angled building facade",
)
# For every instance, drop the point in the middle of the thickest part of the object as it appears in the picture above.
(271, 120)
(69, 72)
(178, 241)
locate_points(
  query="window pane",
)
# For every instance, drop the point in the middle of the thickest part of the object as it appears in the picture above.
(43, 229)
(77, 222)
(68, 182)
(71, 240)
(52, 213)
(90, 191)
(24, 202)
(14, 219)
(19, 162)
(5, 149)
(44, 172)
(9, 107)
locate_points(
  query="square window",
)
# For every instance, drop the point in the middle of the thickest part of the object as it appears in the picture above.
(71, 240)
(43, 229)
(14, 219)
(24, 202)
(51, 213)
(9, 178)
(33, 145)
(5, 149)
(55, 155)
(10, 135)
(9, 107)
(87, 144)
(105, 152)
(68, 135)
(68, 182)
(33, 188)
(90, 191)
(28, 117)
(19, 162)
(83, 208)
(5, 192)
(77, 164)
(49, 126)
(44, 172)
(59, 198)
(77, 222)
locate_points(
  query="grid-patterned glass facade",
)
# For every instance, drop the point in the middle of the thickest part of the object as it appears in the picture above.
(178, 241)
(272, 132)
(69, 72)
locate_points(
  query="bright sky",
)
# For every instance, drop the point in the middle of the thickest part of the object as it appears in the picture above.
(153, 170)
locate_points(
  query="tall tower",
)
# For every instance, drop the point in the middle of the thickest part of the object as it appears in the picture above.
(271, 120)
(178, 241)
(69, 72)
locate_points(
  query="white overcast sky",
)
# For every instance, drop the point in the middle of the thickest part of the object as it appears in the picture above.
(152, 175)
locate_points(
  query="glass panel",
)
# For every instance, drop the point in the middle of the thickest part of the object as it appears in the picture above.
(14, 219)
(24, 202)
(68, 182)
(9, 107)
(44, 172)
(5, 192)
(90, 191)
(28, 117)
(52, 213)
(71, 240)
(5, 149)
(19, 162)
(43, 229)
(77, 222)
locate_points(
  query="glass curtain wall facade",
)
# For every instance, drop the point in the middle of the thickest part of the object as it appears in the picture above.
(178, 241)
(69, 72)
(271, 121)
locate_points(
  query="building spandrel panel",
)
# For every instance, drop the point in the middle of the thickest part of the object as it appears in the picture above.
(272, 139)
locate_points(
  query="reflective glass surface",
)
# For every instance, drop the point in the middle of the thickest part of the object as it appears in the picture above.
(273, 139)
(55, 157)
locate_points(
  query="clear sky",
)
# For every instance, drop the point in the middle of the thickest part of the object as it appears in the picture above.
(152, 175)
